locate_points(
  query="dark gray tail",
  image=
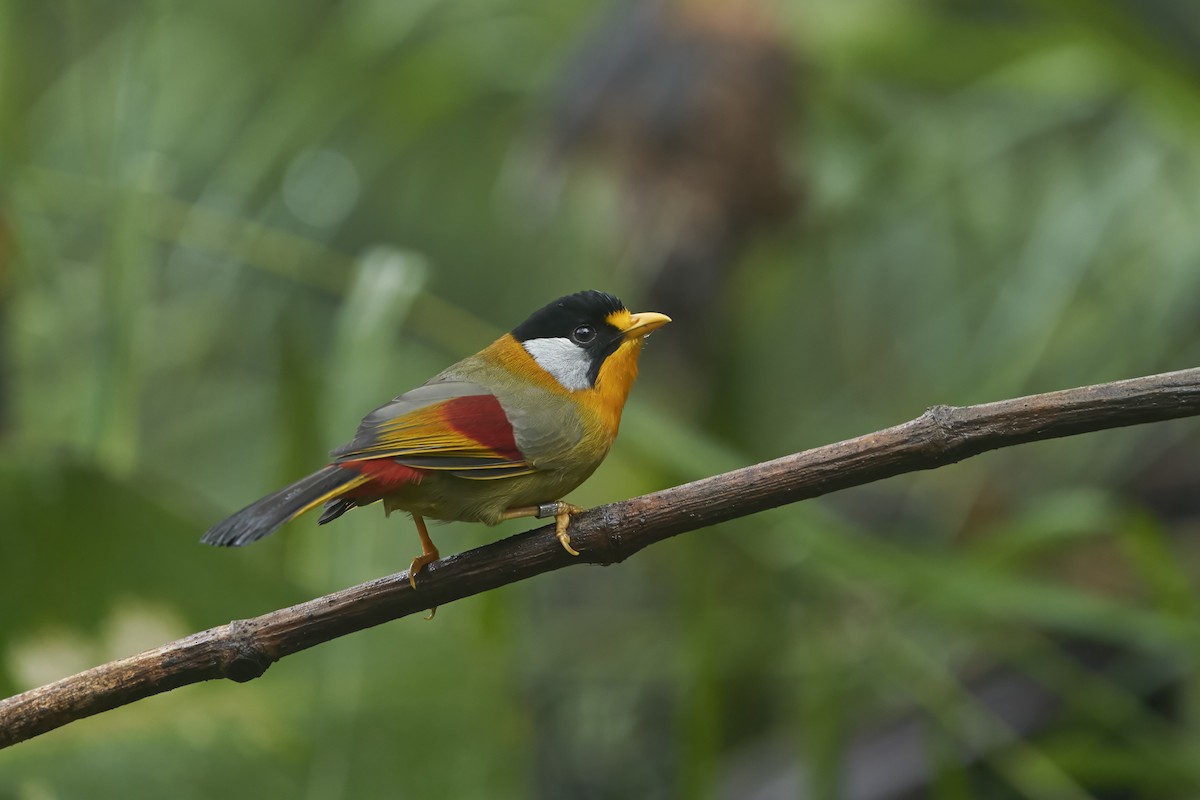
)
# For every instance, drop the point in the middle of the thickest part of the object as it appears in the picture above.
(264, 517)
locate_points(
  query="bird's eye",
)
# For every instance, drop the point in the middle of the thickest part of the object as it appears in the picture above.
(584, 334)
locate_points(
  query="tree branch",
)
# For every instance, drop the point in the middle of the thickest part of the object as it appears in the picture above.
(244, 649)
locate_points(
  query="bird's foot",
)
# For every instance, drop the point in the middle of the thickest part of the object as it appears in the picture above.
(429, 552)
(562, 518)
(418, 564)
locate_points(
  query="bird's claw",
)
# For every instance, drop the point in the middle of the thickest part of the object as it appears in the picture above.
(561, 520)
(417, 565)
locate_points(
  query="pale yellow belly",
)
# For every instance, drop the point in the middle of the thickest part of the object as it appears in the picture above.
(446, 497)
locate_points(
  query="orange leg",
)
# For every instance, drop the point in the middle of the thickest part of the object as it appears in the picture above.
(562, 518)
(429, 551)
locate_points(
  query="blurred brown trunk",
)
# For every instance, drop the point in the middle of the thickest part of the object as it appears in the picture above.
(689, 104)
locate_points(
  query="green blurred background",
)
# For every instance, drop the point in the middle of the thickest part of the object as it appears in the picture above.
(229, 228)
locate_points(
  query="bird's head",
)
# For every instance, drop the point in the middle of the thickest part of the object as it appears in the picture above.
(588, 340)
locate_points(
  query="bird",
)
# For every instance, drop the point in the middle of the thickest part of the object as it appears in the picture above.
(502, 434)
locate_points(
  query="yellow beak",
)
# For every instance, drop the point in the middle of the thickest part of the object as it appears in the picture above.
(643, 323)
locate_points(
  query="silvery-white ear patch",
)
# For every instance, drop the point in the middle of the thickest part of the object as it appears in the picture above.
(566, 361)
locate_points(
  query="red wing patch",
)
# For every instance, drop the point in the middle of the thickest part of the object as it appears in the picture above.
(384, 472)
(482, 418)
